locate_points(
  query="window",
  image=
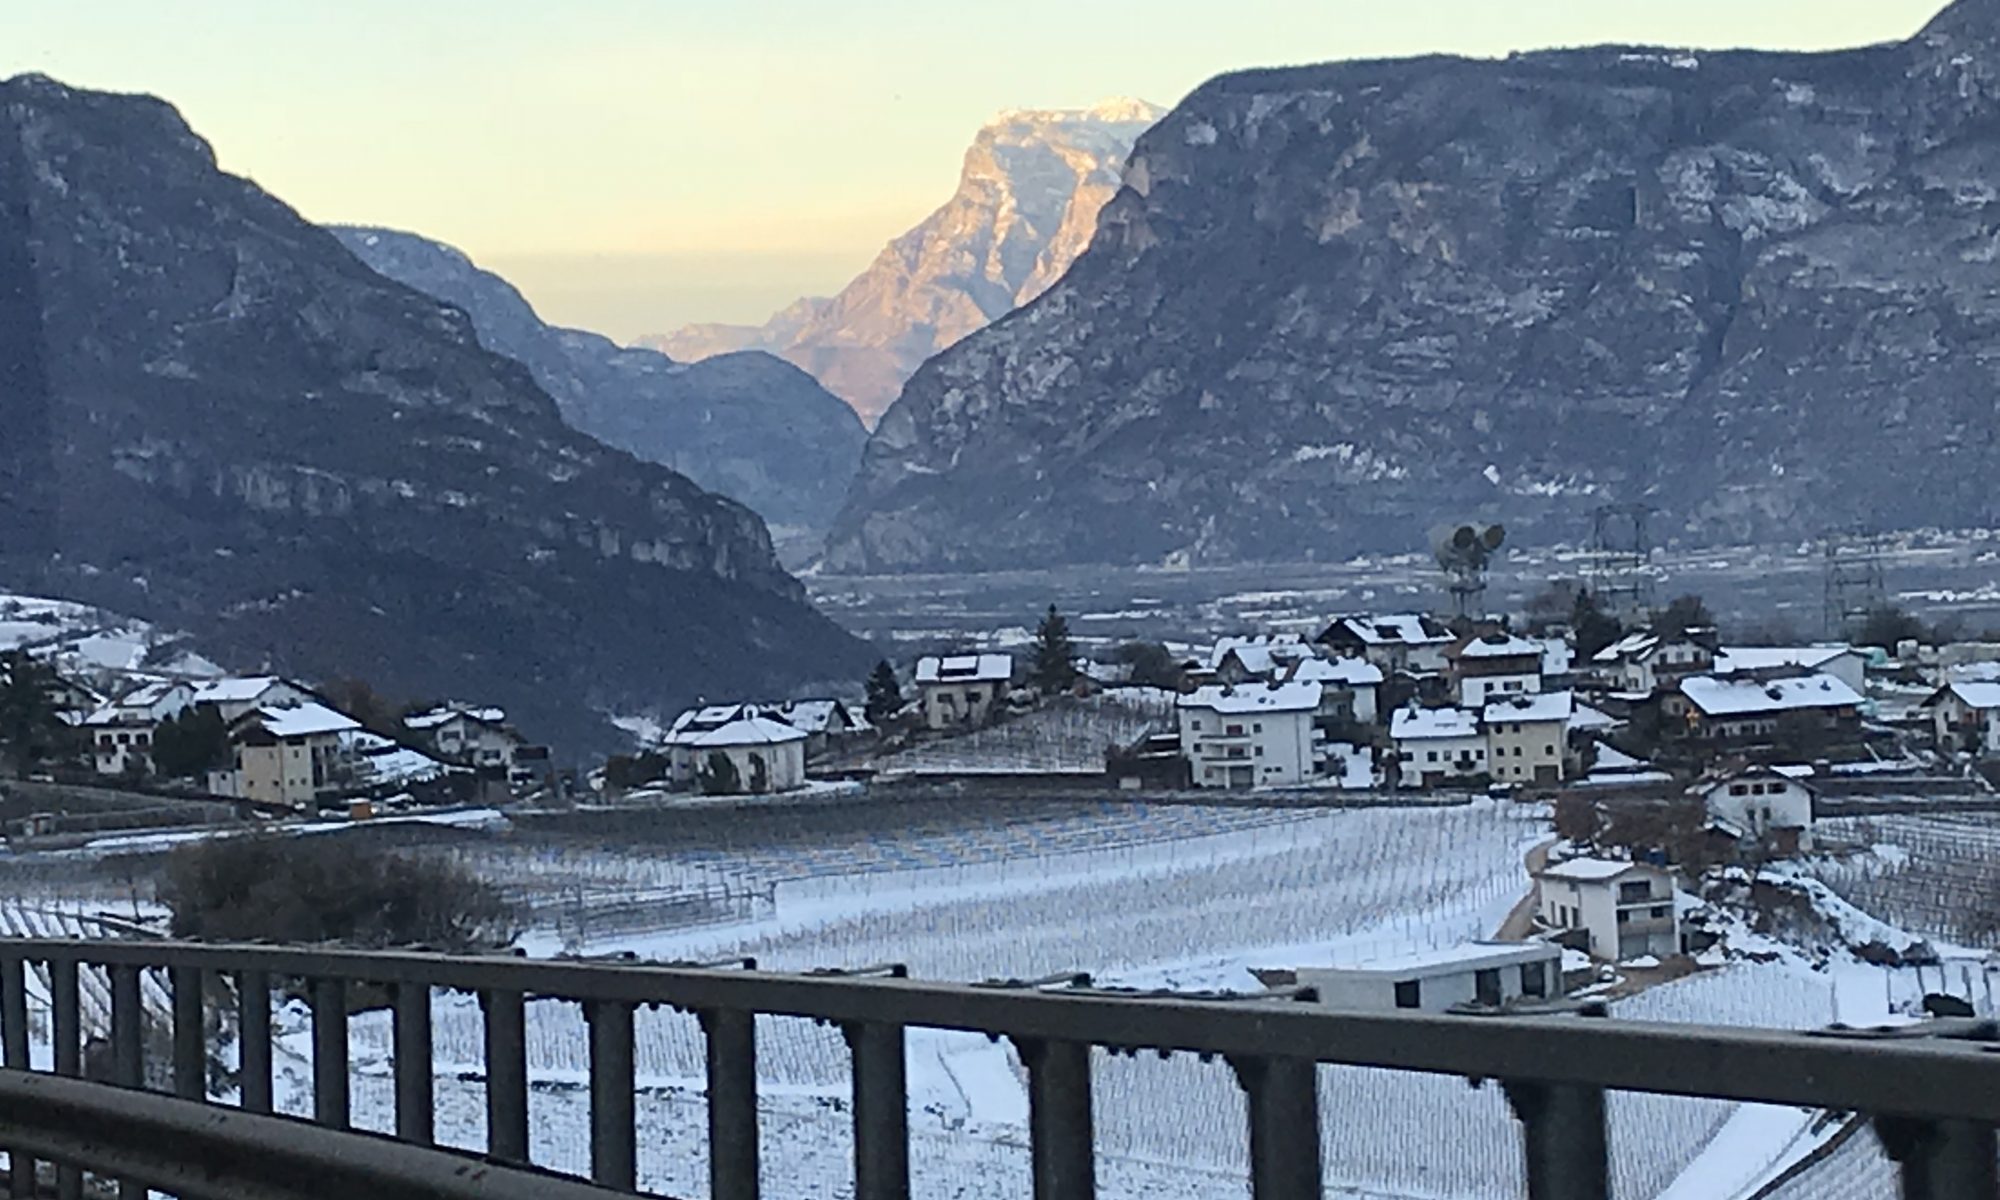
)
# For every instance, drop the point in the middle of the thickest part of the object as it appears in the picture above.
(1430, 756)
(1260, 752)
(1661, 911)
(1486, 986)
(1409, 993)
(1623, 916)
(1195, 724)
(1257, 727)
(1233, 731)
(1517, 752)
(1629, 892)
(974, 695)
(1534, 979)
(1549, 750)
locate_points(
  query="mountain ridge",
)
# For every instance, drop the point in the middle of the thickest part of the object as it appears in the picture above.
(1335, 305)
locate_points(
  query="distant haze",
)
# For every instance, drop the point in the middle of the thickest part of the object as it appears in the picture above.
(638, 164)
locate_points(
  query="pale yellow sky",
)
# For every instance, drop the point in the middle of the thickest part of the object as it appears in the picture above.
(635, 164)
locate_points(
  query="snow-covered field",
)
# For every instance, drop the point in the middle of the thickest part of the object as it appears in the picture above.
(1181, 897)
(91, 645)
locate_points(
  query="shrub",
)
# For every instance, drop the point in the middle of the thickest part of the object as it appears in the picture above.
(329, 889)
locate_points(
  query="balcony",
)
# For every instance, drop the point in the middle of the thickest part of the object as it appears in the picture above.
(1932, 1093)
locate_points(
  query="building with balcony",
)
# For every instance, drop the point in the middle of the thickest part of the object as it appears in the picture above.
(1436, 746)
(1527, 737)
(1792, 710)
(1965, 716)
(1482, 975)
(289, 754)
(1494, 665)
(1408, 642)
(1761, 806)
(1613, 909)
(1261, 735)
(1350, 688)
(961, 689)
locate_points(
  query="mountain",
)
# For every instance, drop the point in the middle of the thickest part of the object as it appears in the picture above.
(1334, 306)
(747, 425)
(221, 421)
(1026, 205)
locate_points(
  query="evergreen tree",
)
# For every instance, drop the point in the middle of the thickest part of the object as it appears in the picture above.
(719, 777)
(760, 775)
(191, 744)
(31, 730)
(885, 695)
(1055, 656)
(1593, 627)
(1684, 613)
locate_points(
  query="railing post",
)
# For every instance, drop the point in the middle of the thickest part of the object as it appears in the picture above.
(1061, 1143)
(881, 1111)
(1563, 1139)
(128, 1047)
(732, 1103)
(65, 1001)
(614, 1148)
(1942, 1160)
(190, 1044)
(14, 1053)
(329, 1016)
(1283, 1104)
(416, 1117)
(506, 1075)
(253, 1033)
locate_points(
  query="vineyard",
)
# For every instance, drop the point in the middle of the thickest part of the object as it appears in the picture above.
(1065, 737)
(1936, 875)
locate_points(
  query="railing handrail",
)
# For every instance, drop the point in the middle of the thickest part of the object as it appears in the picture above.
(188, 1148)
(1952, 1079)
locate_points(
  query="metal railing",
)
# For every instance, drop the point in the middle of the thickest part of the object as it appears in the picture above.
(1934, 1100)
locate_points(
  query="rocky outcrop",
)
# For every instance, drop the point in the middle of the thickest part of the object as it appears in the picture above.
(1333, 306)
(747, 425)
(254, 437)
(1026, 206)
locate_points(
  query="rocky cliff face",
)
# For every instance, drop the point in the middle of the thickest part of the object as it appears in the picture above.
(1335, 305)
(1026, 206)
(249, 434)
(747, 425)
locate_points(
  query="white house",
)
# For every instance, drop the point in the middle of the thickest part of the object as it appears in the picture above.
(121, 733)
(961, 689)
(1844, 663)
(1266, 657)
(1966, 715)
(1638, 663)
(1350, 688)
(288, 754)
(1259, 735)
(1527, 737)
(1769, 806)
(468, 734)
(824, 722)
(1437, 745)
(1399, 642)
(1487, 667)
(1477, 975)
(1625, 909)
(1744, 706)
(232, 697)
(767, 755)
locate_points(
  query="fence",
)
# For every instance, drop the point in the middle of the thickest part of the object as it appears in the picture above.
(1934, 1100)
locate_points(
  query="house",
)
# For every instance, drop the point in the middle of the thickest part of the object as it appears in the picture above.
(461, 733)
(1486, 666)
(1485, 975)
(1617, 910)
(826, 723)
(1966, 716)
(1350, 688)
(232, 697)
(121, 733)
(290, 754)
(1261, 659)
(1747, 708)
(961, 689)
(1845, 663)
(1408, 642)
(1770, 807)
(1435, 746)
(763, 755)
(687, 729)
(1261, 735)
(1527, 737)
(1638, 664)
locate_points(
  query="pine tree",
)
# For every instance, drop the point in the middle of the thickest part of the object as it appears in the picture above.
(31, 731)
(719, 776)
(1055, 656)
(885, 695)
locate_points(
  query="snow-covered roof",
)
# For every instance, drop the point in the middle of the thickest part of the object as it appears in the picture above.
(1611, 758)
(445, 713)
(965, 668)
(1281, 697)
(1731, 660)
(1631, 646)
(750, 731)
(1500, 645)
(1735, 697)
(382, 761)
(1586, 718)
(1467, 956)
(1593, 870)
(1558, 656)
(1532, 706)
(1409, 629)
(816, 716)
(234, 690)
(1347, 672)
(299, 720)
(1261, 655)
(1975, 693)
(1410, 724)
(1794, 772)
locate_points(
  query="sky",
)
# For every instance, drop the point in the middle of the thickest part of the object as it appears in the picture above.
(633, 165)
